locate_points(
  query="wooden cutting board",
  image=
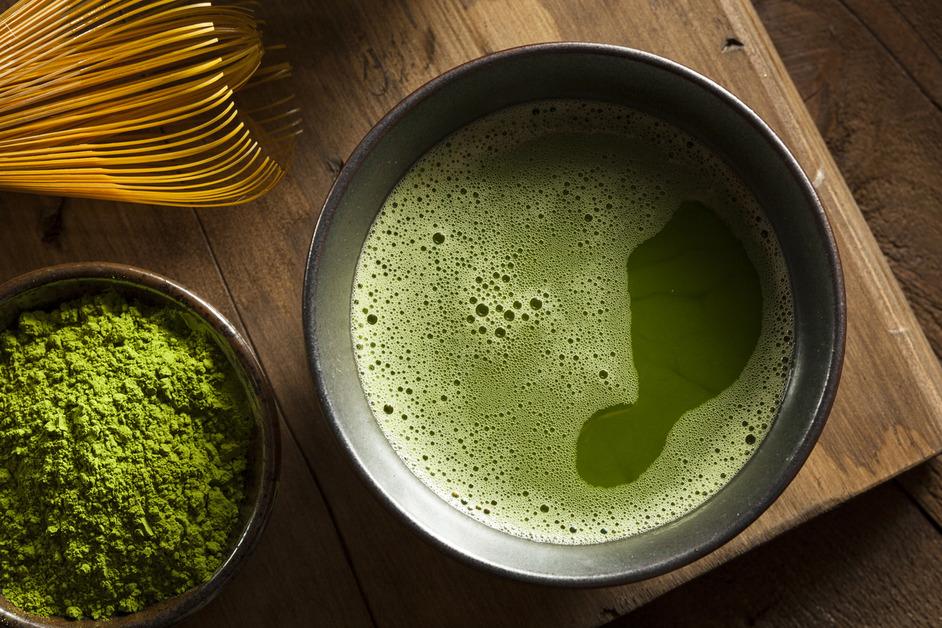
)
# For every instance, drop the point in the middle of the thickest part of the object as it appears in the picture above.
(332, 555)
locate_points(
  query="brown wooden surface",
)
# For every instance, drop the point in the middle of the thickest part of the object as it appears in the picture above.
(332, 555)
(863, 71)
(874, 562)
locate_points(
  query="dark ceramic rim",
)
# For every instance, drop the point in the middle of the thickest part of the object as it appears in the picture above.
(176, 608)
(789, 470)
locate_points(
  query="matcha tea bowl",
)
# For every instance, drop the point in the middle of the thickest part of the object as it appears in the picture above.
(575, 313)
(140, 448)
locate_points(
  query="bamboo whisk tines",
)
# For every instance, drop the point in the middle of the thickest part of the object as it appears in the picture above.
(141, 100)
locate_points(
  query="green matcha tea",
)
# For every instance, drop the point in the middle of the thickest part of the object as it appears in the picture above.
(571, 321)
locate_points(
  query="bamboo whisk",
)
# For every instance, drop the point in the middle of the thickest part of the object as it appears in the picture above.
(135, 100)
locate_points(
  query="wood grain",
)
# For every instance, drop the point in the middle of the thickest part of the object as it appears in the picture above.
(883, 135)
(354, 61)
(824, 573)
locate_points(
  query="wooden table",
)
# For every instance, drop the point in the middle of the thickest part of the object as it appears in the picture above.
(871, 77)
(332, 555)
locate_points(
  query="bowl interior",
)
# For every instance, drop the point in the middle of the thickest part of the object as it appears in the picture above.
(48, 289)
(679, 96)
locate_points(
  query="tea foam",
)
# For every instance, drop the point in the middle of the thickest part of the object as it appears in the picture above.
(491, 317)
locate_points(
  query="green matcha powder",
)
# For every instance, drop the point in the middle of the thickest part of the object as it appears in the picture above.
(123, 440)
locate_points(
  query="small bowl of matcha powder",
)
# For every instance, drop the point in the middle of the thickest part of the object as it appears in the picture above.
(138, 448)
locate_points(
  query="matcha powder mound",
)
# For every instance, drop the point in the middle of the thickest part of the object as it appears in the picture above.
(123, 440)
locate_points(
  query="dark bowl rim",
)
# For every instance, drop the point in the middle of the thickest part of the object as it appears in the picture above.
(174, 609)
(816, 424)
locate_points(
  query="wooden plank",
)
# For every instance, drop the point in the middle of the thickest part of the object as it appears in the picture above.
(831, 571)
(833, 50)
(369, 55)
(924, 485)
(832, 58)
(353, 62)
(912, 52)
(884, 134)
(37, 231)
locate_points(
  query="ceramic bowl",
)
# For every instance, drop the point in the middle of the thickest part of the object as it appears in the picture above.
(49, 286)
(679, 96)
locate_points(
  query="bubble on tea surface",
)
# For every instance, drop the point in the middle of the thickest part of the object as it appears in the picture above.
(492, 288)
